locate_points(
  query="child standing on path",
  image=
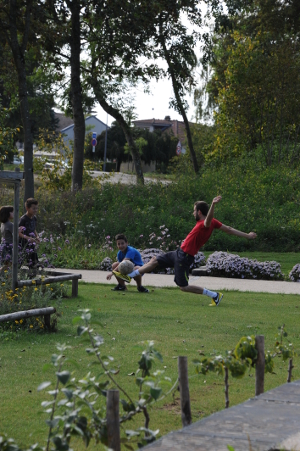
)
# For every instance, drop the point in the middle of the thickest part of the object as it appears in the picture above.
(28, 235)
(127, 253)
(182, 259)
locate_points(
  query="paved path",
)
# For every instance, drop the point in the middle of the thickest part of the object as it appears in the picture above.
(214, 283)
(270, 421)
(126, 179)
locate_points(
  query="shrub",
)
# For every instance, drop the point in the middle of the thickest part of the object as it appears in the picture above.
(294, 275)
(147, 254)
(222, 264)
(199, 260)
(106, 264)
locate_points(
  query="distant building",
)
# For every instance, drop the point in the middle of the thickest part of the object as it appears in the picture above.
(66, 127)
(165, 125)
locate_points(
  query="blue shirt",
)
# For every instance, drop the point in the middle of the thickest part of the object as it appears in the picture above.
(132, 254)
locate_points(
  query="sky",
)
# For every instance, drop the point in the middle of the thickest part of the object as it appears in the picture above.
(152, 105)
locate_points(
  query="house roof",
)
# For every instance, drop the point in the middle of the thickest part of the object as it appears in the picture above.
(63, 121)
(165, 125)
(66, 123)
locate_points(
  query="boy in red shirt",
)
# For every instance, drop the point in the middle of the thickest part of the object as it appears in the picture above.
(182, 259)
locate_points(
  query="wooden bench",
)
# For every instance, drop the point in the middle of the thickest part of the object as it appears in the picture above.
(46, 312)
(53, 277)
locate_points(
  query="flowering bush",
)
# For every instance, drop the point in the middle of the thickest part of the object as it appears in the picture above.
(222, 264)
(199, 260)
(27, 298)
(294, 275)
(147, 254)
(162, 239)
(106, 264)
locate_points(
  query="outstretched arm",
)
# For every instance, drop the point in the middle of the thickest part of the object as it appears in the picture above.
(232, 231)
(210, 213)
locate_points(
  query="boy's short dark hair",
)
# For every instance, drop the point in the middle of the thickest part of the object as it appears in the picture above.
(121, 236)
(202, 206)
(5, 213)
(31, 201)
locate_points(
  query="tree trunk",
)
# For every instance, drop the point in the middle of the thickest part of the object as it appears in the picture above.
(76, 97)
(18, 51)
(126, 129)
(180, 104)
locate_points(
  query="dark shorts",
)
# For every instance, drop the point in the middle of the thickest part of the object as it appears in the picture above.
(181, 263)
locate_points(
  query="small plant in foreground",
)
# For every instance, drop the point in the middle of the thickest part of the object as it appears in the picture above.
(77, 407)
(287, 352)
(243, 357)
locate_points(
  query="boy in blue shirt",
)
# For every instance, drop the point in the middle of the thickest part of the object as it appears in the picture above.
(127, 253)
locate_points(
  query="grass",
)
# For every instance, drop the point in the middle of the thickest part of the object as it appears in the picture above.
(179, 323)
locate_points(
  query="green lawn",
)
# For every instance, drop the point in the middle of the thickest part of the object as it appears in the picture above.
(180, 324)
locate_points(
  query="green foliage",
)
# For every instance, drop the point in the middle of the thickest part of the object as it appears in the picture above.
(254, 55)
(77, 407)
(59, 175)
(243, 357)
(253, 199)
(282, 349)
(7, 135)
(245, 350)
(26, 298)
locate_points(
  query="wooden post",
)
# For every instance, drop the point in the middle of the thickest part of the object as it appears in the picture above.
(15, 232)
(74, 288)
(112, 418)
(47, 321)
(226, 388)
(289, 378)
(186, 415)
(260, 365)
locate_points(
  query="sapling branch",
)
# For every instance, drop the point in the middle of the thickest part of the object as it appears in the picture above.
(105, 369)
(53, 409)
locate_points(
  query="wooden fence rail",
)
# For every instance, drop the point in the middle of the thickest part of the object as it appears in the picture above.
(46, 312)
(54, 278)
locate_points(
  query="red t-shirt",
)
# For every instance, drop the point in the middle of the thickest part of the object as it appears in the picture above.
(198, 236)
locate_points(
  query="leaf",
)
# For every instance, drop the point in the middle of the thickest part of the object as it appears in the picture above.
(158, 355)
(47, 367)
(43, 385)
(52, 423)
(81, 330)
(230, 448)
(67, 393)
(76, 319)
(63, 377)
(155, 392)
(131, 433)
